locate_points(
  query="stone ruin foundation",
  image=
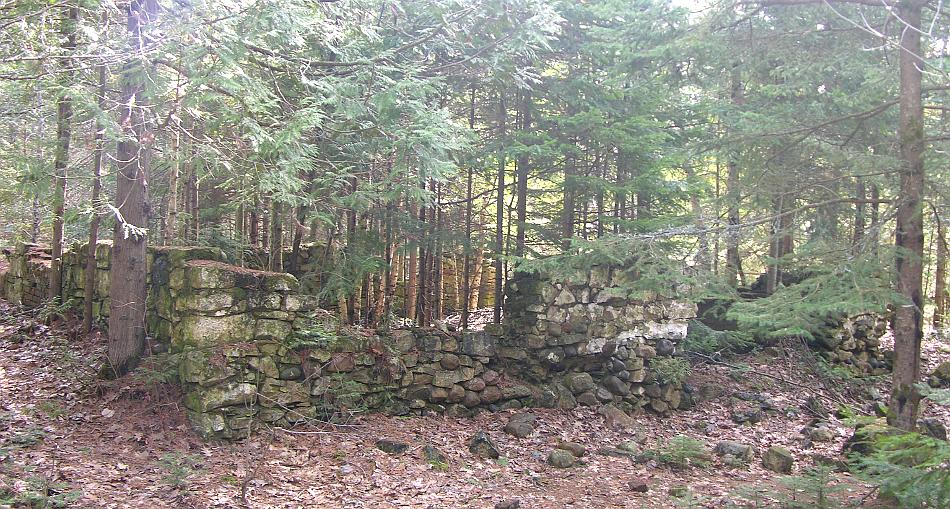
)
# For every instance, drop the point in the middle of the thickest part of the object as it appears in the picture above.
(253, 350)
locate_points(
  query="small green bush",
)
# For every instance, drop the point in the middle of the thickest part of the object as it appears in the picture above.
(912, 468)
(702, 339)
(670, 370)
(813, 489)
(679, 452)
(178, 468)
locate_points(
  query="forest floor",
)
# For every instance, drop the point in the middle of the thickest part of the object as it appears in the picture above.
(69, 440)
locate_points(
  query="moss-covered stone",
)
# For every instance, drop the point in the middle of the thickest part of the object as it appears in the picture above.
(206, 331)
(221, 396)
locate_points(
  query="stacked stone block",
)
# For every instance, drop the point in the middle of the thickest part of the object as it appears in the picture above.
(589, 340)
(26, 282)
(854, 342)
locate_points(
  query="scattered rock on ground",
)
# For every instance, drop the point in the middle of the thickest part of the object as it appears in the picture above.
(933, 428)
(578, 450)
(735, 449)
(432, 454)
(508, 504)
(940, 376)
(520, 425)
(744, 415)
(483, 446)
(638, 486)
(678, 491)
(836, 464)
(821, 434)
(559, 458)
(616, 418)
(391, 446)
(778, 459)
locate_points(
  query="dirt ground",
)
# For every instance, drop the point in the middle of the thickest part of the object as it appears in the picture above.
(68, 439)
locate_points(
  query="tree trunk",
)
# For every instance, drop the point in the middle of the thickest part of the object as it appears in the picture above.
(192, 205)
(467, 258)
(702, 259)
(875, 229)
(620, 205)
(775, 249)
(908, 329)
(859, 215)
(567, 213)
(413, 272)
(171, 200)
(128, 276)
(254, 229)
(438, 263)
(733, 260)
(475, 286)
(521, 186)
(277, 236)
(350, 252)
(941, 294)
(89, 285)
(500, 209)
(424, 254)
(64, 118)
(300, 216)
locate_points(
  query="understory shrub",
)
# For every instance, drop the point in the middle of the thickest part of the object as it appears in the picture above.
(670, 370)
(912, 468)
(679, 452)
(700, 338)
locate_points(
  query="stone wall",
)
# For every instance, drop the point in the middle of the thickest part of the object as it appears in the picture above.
(233, 388)
(253, 350)
(855, 344)
(26, 280)
(558, 332)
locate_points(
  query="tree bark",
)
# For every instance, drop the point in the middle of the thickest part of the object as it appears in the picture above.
(89, 284)
(733, 259)
(276, 262)
(64, 119)
(702, 259)
(422, 281)
(413, 272)
(353, 297)
(500, 209)
(171, 200)
(567, 212)
(128, 276)
(908, 330)
(467, 262)
(859, 215)
(521, 186)
(941, 292)
(438, 263)
(475, 286)
(254, 228)
(300, 216)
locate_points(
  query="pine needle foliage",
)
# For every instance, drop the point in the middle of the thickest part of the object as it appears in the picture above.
(829, 291)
